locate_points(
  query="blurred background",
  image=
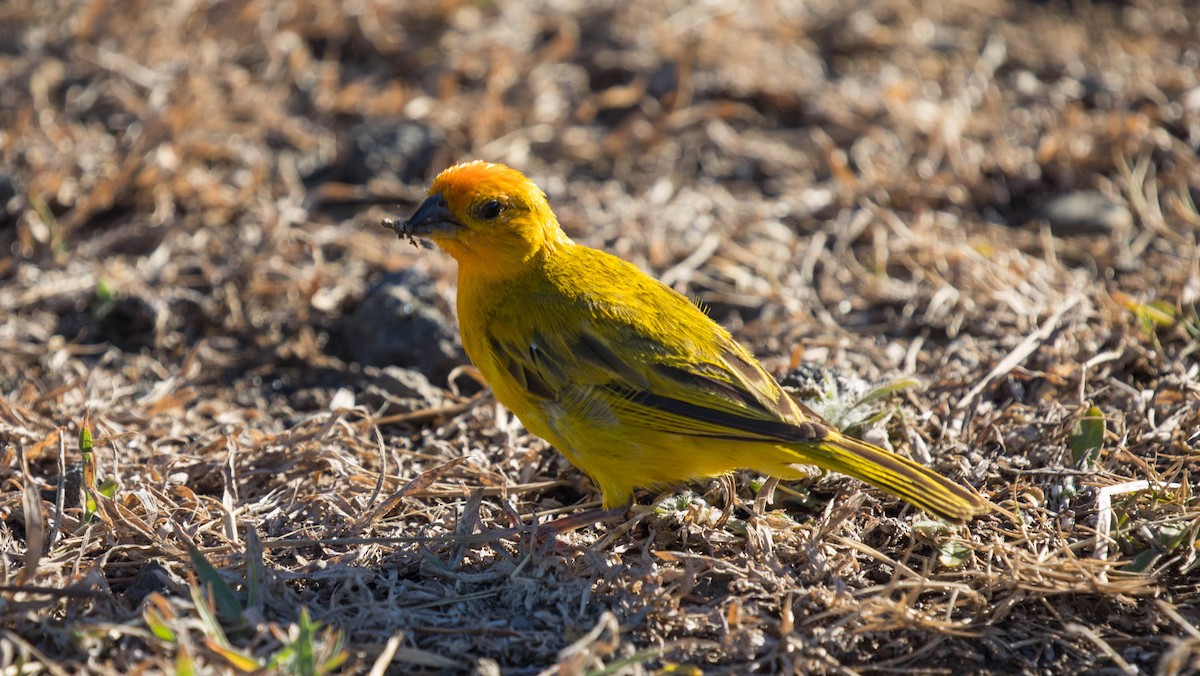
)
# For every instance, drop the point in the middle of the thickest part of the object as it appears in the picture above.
(191, 257)
(217, 161)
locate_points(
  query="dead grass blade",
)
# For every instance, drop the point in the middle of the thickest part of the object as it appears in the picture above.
(421, 481)
(1019, 353)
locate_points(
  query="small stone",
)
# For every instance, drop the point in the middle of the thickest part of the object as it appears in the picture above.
(813, 382)
(130, 323)
(8, 190)
(401, 322)
(152, 578)
(1084, 212)
(399, 148)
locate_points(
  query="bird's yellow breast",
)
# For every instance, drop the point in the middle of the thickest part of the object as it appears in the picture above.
(477, 301)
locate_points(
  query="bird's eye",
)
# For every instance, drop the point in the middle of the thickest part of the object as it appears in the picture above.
(490, 209)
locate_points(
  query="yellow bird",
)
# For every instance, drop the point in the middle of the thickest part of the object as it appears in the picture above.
(634, 384)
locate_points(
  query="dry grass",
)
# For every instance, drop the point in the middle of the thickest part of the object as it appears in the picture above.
(189, 231)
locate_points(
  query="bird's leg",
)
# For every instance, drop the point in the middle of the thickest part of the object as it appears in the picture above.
(587, 517)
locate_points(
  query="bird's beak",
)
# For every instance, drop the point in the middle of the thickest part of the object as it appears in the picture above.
(432, 219)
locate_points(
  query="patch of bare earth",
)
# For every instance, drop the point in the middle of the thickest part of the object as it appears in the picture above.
(288, 469)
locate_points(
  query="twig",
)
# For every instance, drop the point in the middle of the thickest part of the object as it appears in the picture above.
(1086, 632)
(68, 592)
(49, 664)
(229, 497)
(60, 493)
(422, 480)
(385, 657)
(382, 466)
(35, 524)
(490, 491)
(1171, 612)
(477, 538)
(1023, 349)
(426, 413)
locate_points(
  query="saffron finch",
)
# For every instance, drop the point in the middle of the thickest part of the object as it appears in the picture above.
(634, 384)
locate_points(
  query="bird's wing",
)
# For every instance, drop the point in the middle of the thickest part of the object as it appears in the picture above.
(685, 375)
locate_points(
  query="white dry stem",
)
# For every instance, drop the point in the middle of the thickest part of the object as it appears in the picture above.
(1104, 515)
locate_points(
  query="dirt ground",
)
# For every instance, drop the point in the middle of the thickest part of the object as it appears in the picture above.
(238, 431)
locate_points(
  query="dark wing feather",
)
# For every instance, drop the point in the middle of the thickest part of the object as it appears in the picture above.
(659, 389)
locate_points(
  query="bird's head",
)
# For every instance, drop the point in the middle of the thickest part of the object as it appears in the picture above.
(488, 216)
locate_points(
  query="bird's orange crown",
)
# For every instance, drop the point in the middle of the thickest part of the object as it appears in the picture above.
(500, 218)
(464, 184)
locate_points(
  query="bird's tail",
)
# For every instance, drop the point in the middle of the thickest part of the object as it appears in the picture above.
(907, 480)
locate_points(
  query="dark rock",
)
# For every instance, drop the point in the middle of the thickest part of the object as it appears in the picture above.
(129, 323)
(813, 382)
(401, 322)
(399, 148)
(152, 578)
(8, 190)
